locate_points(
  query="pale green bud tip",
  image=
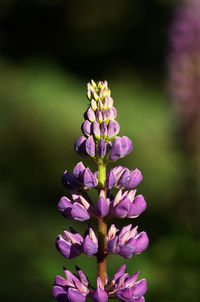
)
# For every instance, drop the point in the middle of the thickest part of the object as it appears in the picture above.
(98, 92)
(94, 85)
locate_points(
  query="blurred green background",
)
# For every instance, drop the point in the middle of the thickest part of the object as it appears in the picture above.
(49, 50)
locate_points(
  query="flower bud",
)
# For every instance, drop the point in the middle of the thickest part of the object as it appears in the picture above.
(112, 113)
(102, 207)
(70, 244)
(99, 116)
(120, 148)
(113, 129)
(96, 130)
(137, 207)
(86, 128)
(100, 295)
(101, 148)
(130, 179)
(91, 115)
(90, 146)
(80, 145)
(90, 243)
(110, 180)
(88, 179)
(103, 129)
(93, 104)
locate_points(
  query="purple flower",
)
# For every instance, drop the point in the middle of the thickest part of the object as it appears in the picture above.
(128, 288)
(113, 129)
(72, 288)
(78, 209)
(127, 205)
(81, 178)
(127, 242)
(120, 148)
(90, 146)
(112, 113)
(103, 129)
(70, 244)
(91, 115)
(90, 243)
(101, 148)
(80, 146)
(100, 295)
(102, 205)
(138, 205)
(123, 178)
(96, 130)
(99, 116)
(86, 128)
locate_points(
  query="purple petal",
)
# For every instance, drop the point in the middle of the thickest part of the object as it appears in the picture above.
(102, 207)
(90, 146)
(130, 282)
(103, 129)
(112, 113)
(88, 179)
(60, 293)
(82, 276)
(124, 294)
(101, 148)
(118, 171)
(100, 296)
(120, 272)
(79, 213)
(89, 247)
(113, 129)
(140, 288)
(127, 250)
(122, 208)
(69, 181)
(68, 250)
(96, 130)
(86, 128)
(141, 242)
(78, 169)
(75, 295)
(91, 115)
(137, 206)
(135, 179)
(126, 145)
(99, 116)
(111, 245)
(115, 152)
(108, 101)
(60, 281)
(105, 115)
(121, 147)
(80, 145)
(125, 178)
(110, 180)
(64, 206)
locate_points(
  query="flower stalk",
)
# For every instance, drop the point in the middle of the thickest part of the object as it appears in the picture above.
(101, 256)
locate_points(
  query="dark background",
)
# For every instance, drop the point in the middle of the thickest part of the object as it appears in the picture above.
(49, 50)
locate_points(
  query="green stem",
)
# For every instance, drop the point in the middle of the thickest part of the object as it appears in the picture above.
(102, 174)
(102, 231)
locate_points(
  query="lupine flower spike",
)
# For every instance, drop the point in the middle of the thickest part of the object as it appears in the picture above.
(101, 142)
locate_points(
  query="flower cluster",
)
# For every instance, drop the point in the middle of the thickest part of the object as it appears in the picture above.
(116, 198)
(75, 288)
(100, 127)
